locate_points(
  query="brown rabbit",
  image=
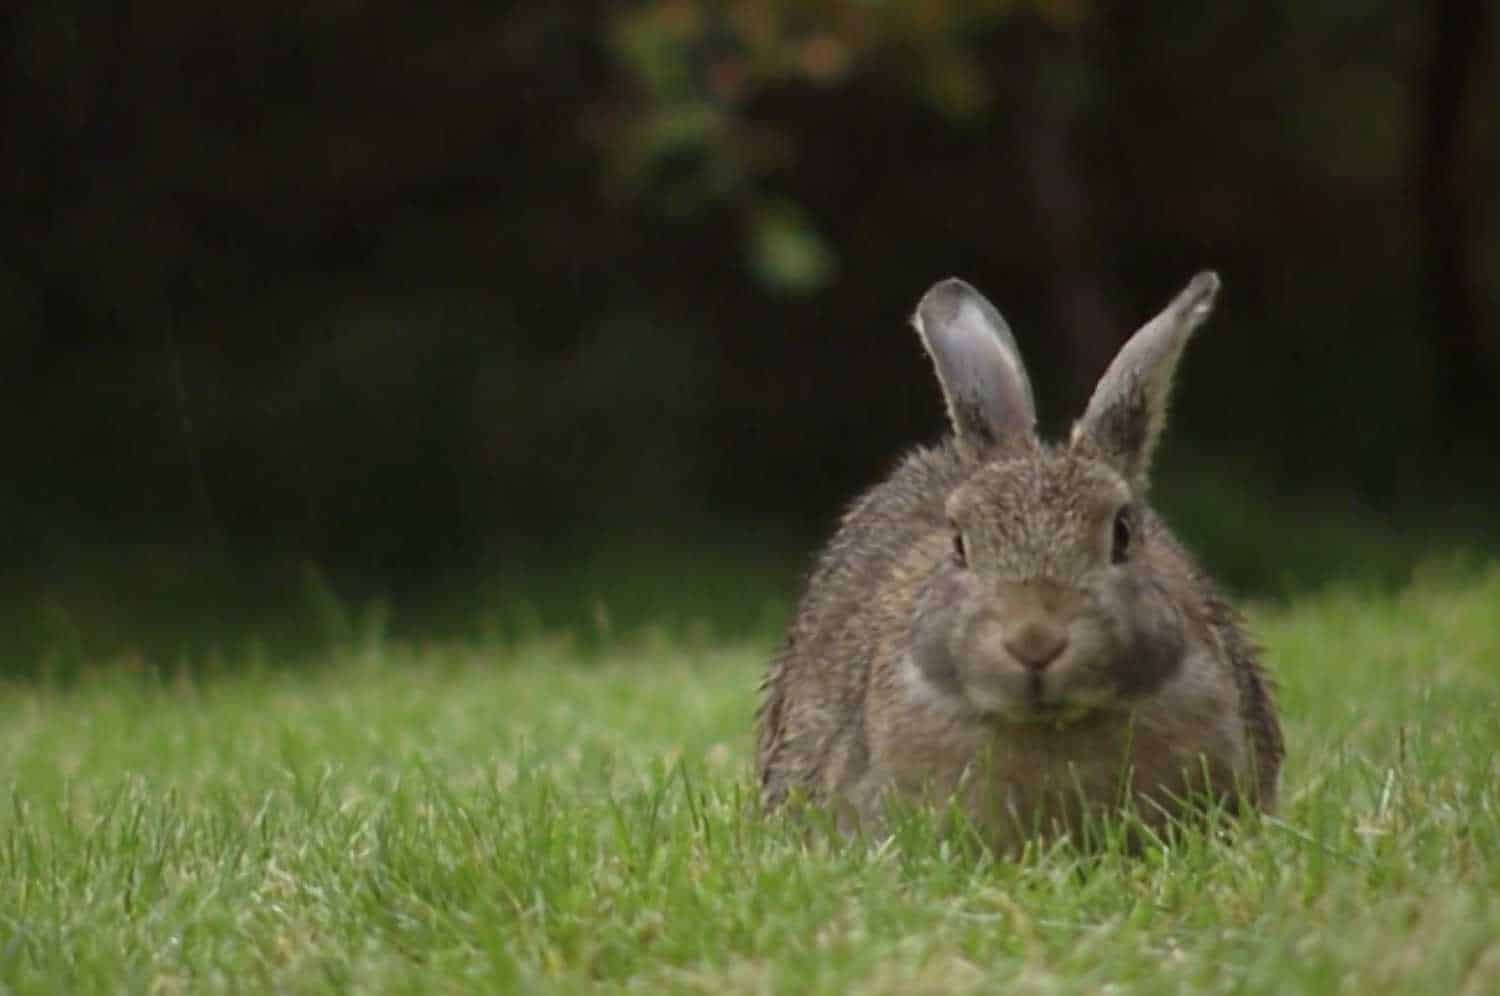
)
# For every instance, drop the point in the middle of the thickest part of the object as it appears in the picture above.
(1006, 623)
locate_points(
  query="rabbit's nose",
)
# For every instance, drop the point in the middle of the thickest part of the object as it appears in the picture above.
(1036, 646)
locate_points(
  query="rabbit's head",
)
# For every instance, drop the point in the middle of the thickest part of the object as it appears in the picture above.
(1047, 602)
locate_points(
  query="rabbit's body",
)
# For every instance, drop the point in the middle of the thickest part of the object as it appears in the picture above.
(1007, 625)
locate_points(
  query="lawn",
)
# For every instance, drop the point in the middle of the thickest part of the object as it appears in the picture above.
(542, 813)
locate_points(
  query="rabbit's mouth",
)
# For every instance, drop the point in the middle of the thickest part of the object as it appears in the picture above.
(1055, 714)
(1052, 712)
(1030, 699)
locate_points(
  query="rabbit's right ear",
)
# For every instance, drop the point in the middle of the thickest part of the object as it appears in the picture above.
(984, 381)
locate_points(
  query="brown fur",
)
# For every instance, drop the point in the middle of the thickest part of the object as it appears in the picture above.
(889, 681)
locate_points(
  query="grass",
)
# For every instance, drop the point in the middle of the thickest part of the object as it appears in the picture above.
(545, 814)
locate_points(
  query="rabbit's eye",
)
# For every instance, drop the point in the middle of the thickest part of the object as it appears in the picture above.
(960, 550)
(1122, 536)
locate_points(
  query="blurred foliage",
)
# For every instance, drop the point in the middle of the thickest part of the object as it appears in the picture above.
(699, 68)
(420, 294)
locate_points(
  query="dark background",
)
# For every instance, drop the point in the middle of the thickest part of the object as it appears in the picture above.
(392, 299)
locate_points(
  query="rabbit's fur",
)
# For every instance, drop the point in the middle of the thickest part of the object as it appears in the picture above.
(1006, 624)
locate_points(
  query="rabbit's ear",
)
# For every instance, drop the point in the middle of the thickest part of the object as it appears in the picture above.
(1129, 407)
(978, 364)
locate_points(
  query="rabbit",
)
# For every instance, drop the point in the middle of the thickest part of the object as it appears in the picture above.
(1006, 625)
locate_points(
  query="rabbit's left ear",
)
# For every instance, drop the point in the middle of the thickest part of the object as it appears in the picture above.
(1129, 407)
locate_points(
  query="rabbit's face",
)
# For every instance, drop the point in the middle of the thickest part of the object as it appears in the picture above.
(1044, 608)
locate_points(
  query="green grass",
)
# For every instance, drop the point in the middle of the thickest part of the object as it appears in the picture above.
(555, 815)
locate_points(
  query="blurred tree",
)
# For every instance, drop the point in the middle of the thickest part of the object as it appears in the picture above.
(691, 136)
(398, 287)
(1457, 30)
